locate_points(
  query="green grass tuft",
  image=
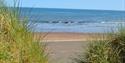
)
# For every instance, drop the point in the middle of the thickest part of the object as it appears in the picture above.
(118, 41)
(99, 52)
(17, 44)
(111, 50)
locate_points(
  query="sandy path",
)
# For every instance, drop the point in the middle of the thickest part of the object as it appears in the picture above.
(63, 47)
(63, 52)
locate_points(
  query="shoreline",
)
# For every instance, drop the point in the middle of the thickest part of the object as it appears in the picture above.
(67, 36)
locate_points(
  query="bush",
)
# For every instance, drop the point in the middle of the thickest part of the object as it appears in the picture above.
(17, 44)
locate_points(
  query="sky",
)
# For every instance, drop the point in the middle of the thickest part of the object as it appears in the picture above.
(75, 4)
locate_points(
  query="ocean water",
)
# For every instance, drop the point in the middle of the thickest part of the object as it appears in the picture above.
(73, 20)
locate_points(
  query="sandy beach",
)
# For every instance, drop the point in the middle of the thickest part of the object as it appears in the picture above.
(66, 36)
(65, 52)
(63, 47)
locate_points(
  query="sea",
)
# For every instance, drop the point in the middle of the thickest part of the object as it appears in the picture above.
(73, 20)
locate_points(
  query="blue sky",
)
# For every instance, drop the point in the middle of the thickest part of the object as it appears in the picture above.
(75, 4)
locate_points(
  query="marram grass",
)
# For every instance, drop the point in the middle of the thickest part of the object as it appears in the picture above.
(111, 50)
(99, 51)
(118, 41)
(17, 44)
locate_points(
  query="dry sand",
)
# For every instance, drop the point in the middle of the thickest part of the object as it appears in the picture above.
(60, 36)
(65, 52)
(63, 47)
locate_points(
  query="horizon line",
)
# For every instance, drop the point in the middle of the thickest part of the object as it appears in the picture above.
(73, 8)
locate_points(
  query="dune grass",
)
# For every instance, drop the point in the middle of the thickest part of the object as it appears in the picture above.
(118, 41)
(111, 50)
(17, 44)
(99, 52)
